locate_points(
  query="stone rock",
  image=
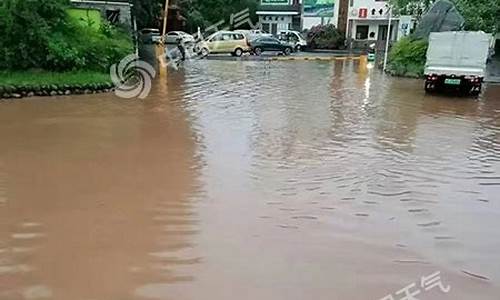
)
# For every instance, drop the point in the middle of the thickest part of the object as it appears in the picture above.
(30, 94)
(16, 95)
(87, 91)
(67, 92)
(53, 93)
(6, 95)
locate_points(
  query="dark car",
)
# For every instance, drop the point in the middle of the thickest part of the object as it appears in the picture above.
(262, 44)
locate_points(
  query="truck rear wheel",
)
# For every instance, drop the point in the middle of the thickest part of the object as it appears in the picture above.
(476, 90)
(429, 87)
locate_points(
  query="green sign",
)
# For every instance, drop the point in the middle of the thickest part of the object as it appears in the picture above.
(319, 8)
(268, 2)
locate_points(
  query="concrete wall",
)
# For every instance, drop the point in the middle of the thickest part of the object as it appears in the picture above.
(124, 8)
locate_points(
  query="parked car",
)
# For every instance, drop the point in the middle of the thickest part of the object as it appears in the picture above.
(254, 34)
(293, 37)
(149, 36)
(271, 44)
(231, 42)
(173, 37)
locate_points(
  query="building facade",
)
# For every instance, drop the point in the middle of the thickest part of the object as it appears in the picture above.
(368, 23)
(116, 11)
(277, 15)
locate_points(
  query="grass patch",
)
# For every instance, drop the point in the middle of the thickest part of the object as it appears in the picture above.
(30, 78)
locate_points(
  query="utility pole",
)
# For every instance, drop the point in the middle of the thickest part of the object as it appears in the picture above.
(165, 17)
(388, 38)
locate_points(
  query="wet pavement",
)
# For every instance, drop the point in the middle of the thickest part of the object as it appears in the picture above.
(252, 180)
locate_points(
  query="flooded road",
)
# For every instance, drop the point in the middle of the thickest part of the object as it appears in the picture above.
(254, 180)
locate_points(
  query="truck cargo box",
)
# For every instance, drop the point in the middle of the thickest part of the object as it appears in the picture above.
(459, 53)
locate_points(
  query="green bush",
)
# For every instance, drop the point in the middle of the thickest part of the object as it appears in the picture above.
(41, 34)
(407, 57)
(325, 37)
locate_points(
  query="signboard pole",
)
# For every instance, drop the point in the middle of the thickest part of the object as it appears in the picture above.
(388, 38)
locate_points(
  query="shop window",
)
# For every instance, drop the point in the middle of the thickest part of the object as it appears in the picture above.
(362, 32)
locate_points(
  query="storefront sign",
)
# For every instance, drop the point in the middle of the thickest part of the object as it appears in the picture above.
(363, 13)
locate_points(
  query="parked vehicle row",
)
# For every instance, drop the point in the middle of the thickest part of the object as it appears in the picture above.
(235, 42)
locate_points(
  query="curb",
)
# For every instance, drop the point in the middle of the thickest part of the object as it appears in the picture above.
(316, 58)
(22, 91)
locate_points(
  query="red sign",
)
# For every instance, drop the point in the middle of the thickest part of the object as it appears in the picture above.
(363, 13)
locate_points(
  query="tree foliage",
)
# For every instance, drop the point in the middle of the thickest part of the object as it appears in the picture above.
(325, 37)
(147, 12)
(198, 13)
(40, 34)
(479, 14)
(407, 57)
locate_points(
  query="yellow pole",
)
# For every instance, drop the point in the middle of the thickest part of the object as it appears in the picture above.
(163, 63)
(165, 19)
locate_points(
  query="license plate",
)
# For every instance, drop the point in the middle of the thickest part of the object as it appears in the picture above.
(452, 81)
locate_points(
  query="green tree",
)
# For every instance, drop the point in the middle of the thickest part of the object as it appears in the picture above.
(25, 27)
(41, 34)
(147, 12)
(478, 14)
(203, 13)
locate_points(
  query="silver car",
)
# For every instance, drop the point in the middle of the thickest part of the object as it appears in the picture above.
(173, 37)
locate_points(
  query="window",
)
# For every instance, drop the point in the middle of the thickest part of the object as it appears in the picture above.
(113, 15)
(238, 36)
(265, 27)
(362, 32)
(227, 37)
(217, 37)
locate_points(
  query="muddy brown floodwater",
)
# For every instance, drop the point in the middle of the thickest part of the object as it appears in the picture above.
(252, 180)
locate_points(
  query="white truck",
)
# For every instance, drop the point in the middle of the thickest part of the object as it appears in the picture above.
(457, 59)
